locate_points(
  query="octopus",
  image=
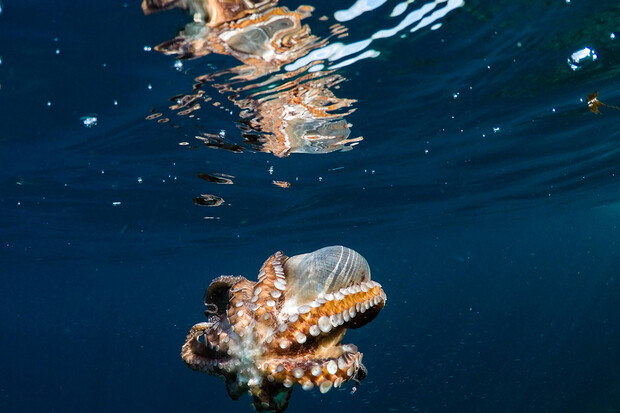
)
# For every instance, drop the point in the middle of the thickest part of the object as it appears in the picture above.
(265, 337)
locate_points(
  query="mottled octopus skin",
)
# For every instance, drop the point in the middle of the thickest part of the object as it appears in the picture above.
(265, 337)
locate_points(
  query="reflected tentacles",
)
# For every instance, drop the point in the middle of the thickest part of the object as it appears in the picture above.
(282, 112)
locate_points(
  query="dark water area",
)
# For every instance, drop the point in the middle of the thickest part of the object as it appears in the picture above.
(484, 196)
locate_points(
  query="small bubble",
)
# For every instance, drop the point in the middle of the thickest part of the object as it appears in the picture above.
(580, 56)
(115, 102)
(496, 129)
(116, 203)
(178, 65)
(612, 36)
(139, 179)
(49, 103)
(222, 133)
(147, 48)
(57, 51)
(426, 151)
(455, 95)
(149, 87)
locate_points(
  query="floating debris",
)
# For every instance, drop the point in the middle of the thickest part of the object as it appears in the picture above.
(594, 103)
(208, 200)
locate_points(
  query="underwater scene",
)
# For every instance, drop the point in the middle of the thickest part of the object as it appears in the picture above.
(263, 205)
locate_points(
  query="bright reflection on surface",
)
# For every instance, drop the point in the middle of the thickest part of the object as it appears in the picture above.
(424, 16)
(284, 85)
(360, 7)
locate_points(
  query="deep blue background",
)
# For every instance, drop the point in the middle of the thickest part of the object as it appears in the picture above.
(499, 251)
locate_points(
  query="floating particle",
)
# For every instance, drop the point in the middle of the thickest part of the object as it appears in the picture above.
(282, 184)
(216, 178)
(147, 48)
(178, 65)
(208, 200)
(89, 120)
(116, 203)
(139, 179)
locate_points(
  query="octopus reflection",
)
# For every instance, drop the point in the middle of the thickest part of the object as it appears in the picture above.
(286, 328)
(281, 112)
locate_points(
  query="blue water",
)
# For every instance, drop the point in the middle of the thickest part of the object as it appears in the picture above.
(484, 195)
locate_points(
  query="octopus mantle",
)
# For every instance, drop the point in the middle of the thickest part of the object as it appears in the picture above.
(264, 337)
